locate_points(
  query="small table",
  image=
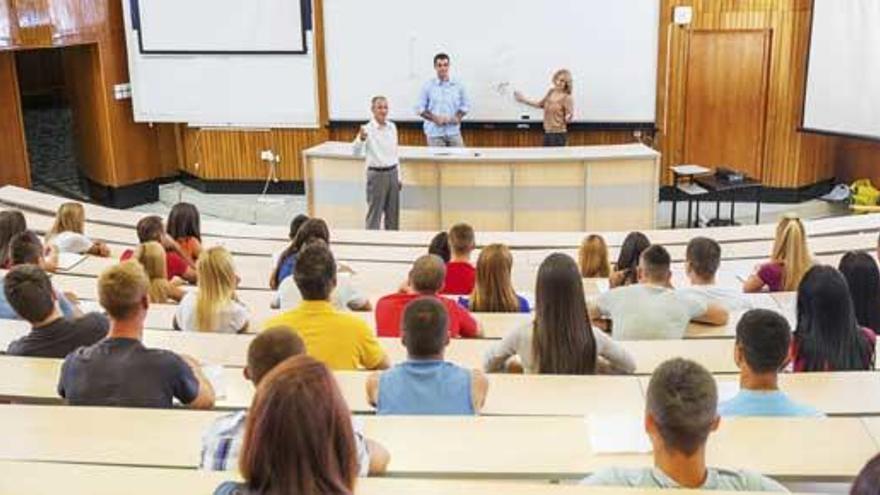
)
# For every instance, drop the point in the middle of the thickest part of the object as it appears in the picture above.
(720, 186)
(688, 187)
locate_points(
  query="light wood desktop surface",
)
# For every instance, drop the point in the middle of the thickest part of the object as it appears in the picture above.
(828, 449)
(35, 478)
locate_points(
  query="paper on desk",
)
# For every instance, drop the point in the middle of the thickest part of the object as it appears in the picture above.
(727, 390)
(618, 434)
(66, 261)
(214, 374)
(90, 307)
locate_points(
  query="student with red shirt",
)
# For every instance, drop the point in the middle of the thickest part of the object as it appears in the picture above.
(828, 336)
(460, 273)
(151, 229)
(425, 279)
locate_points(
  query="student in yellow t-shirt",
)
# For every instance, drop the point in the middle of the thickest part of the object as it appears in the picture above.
(341, 340)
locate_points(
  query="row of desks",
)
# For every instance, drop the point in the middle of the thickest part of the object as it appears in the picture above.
(35, 380)
(826, 449)
(48, 204)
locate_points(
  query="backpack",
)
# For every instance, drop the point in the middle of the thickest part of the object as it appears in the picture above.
(864, 193)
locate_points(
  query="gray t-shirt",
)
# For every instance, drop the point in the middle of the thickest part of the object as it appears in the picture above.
(124, 373)
(61, 337)
(648, 312)
(716, 479)
(732, 300)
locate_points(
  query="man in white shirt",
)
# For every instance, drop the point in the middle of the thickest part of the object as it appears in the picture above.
(377, 142)
(703, 256)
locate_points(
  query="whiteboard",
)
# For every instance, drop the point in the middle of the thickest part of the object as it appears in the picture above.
(496, 46)
(220, 26)
(237, 90)
(843, 78)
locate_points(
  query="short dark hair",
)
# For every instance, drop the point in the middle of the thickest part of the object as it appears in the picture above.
(295, 224)
(425, 326)
(655, 261)
(440, 246)
(149, 229)
(682, 399)
(440, 56)
(271, 347)
(315, 271)
(29, 292)
(704, 256)
(25, 248)
(764, 337)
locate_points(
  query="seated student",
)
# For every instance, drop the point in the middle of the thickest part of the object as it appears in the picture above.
(440, 246)
(680, 414)
(868, 480)
(789, 260)
(221, 442)
(763, 338)
(425, 383)
(863, 278)
(626, 269)
(652, 309)
(346, 295)
(12, 222)
(30, 293)
(67, 232)
(593, 256)
(151, 256)
(119, 370)
(703, 257)
(460, 273)
(213, 307)
(560, 341)
(178, 264)
(184, 226)
(425, 279)
(26, 248)
(342, 341)
(302, 230)
(493, 290)
(827, 336)
(298, 437)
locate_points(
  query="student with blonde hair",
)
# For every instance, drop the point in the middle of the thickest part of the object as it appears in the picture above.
(493, 290)
(593, 257)
(151, 256)
(214, 307)
(558, 106)
(789, 260)
(67, 232)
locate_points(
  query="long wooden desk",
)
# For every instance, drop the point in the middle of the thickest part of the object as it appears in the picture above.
(35, 478)
(829, 449)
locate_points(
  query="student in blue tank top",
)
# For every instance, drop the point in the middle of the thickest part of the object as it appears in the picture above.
(425, 383)
(763, 338)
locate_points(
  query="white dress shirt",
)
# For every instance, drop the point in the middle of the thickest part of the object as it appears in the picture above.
(380, 147)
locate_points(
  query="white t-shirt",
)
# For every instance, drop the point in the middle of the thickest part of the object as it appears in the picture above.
(71, 242)
(732, 300)
(231, 319)
(380, 148)
(342, 297)
(647, 312)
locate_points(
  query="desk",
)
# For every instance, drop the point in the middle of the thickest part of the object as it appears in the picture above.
(501, 189)
(829, 449)
(714, 185)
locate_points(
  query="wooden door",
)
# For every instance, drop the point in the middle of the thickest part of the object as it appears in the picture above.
(14, 168)
(726, 99)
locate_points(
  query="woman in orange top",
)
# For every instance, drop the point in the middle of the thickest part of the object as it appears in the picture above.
(184, 226)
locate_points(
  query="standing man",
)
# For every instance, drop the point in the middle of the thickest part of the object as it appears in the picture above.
(377, 141)
(443, 103)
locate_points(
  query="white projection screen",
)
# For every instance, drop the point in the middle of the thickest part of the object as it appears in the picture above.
(843, 76)
(387, 47)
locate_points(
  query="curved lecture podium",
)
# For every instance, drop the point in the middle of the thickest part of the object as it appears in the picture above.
(585, 188)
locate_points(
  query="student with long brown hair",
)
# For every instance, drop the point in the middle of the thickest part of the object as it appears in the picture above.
(151, 256)
(298, 436)
(308, 229)
(560, 340)
(593, 257)
(493, 290)
(184, 226)
(12, 222)
(789, 260)
(626, 270)
(67, 233)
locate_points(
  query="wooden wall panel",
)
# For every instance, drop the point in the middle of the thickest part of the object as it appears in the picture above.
(13, 148)
(858, 159)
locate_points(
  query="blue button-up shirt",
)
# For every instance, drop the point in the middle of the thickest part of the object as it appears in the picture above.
(442, 98)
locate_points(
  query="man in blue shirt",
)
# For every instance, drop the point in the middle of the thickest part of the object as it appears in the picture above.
(26, 248)
(763, 338)
(443, 103)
